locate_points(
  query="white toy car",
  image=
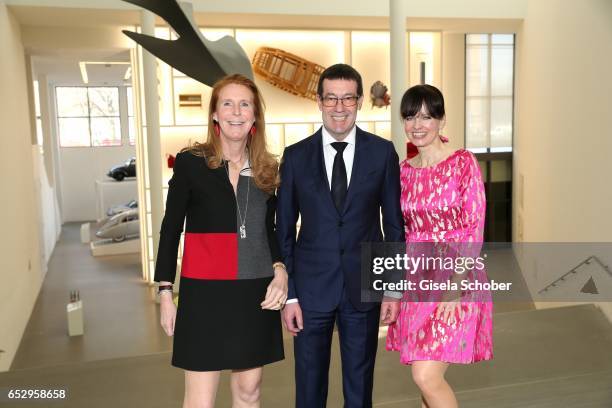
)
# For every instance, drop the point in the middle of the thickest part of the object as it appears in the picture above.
(122, 208)
(121, 226)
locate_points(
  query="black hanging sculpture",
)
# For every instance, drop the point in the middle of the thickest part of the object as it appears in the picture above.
(201, 59)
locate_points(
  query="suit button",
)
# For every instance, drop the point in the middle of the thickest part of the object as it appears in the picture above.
(342, 252)
(340, 223)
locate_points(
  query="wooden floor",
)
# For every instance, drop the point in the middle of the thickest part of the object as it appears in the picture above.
(120, 318)
(543, 358)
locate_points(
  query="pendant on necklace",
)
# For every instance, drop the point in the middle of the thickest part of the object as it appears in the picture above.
(242, 232)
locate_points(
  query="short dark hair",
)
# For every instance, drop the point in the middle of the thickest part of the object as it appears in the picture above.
(420, 95)
(340, 71)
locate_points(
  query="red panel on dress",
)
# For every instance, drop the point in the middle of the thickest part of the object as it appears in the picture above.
(210, 256)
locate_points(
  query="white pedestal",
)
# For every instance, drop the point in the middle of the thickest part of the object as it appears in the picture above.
(85, 233)
(112, 192)
(74, 311)
(105, 247)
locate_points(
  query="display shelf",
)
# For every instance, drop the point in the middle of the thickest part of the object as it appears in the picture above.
(104, 247)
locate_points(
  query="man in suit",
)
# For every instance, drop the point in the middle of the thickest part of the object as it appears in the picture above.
(338, 180)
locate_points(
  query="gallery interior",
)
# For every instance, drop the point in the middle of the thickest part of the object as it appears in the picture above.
(92, 123)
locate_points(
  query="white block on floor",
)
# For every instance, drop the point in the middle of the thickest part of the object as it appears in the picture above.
(85, 233)
(74, 311)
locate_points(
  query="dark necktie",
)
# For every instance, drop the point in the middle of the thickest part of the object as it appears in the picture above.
(338, 180)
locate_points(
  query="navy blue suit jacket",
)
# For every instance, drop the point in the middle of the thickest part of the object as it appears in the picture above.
(326, 256)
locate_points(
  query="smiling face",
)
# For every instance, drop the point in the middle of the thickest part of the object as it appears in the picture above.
(339, 119)
(422, 129)
(235, 111)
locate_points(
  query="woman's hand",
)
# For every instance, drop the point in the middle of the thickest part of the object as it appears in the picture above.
(276, 294)
(449, 311)
(168, 312)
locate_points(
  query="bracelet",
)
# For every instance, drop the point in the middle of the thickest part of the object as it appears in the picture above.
(282, 265)
(164, 288)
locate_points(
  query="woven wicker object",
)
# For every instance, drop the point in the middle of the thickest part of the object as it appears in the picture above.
(288, 71)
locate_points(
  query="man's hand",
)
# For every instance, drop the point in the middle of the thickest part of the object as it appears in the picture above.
(389, 310)
(292, 318)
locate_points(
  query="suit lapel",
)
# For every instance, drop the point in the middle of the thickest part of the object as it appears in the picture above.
(321, 172)
(357, 173)
(319, 160)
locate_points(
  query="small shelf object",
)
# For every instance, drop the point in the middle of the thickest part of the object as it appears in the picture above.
(190, 100)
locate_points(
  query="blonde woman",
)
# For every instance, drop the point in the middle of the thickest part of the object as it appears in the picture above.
(232, 282)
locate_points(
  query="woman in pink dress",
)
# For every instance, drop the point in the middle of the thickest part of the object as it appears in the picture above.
(443, 201)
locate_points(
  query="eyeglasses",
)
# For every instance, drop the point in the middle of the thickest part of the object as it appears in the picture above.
(331, 101)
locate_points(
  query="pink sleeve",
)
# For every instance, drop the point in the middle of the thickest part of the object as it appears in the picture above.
(473, 200)
(473, 210)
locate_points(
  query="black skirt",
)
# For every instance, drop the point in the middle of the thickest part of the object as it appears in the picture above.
(220, 325)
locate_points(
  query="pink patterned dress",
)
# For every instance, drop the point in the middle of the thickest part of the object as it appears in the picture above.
(443, 203)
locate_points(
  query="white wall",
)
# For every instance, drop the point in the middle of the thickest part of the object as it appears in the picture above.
(20, 270)
(49, 213)
(564, 136)
(453, 87)
(563, 140)
(46, 191)
(80, 167)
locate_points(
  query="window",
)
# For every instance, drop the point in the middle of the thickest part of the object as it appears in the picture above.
(489, 96)
(88, 116)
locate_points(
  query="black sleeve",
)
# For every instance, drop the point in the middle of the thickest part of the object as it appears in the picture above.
(174, 219)
(271, 229)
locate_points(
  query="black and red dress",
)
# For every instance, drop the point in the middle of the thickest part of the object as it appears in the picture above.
(220, 323)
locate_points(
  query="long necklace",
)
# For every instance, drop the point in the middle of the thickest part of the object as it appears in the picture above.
(242, 228)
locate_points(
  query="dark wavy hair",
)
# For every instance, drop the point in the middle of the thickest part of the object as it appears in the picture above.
(420, 95)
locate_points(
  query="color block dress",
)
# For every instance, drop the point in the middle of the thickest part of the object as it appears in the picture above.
(444, 203)
(219, 323)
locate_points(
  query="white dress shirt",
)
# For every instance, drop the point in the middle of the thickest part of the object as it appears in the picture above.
(329, 154)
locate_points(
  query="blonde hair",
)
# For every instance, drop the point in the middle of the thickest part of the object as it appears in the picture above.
(264, 165)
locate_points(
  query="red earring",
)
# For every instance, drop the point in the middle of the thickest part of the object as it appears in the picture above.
(217, 128)
(253, 130)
